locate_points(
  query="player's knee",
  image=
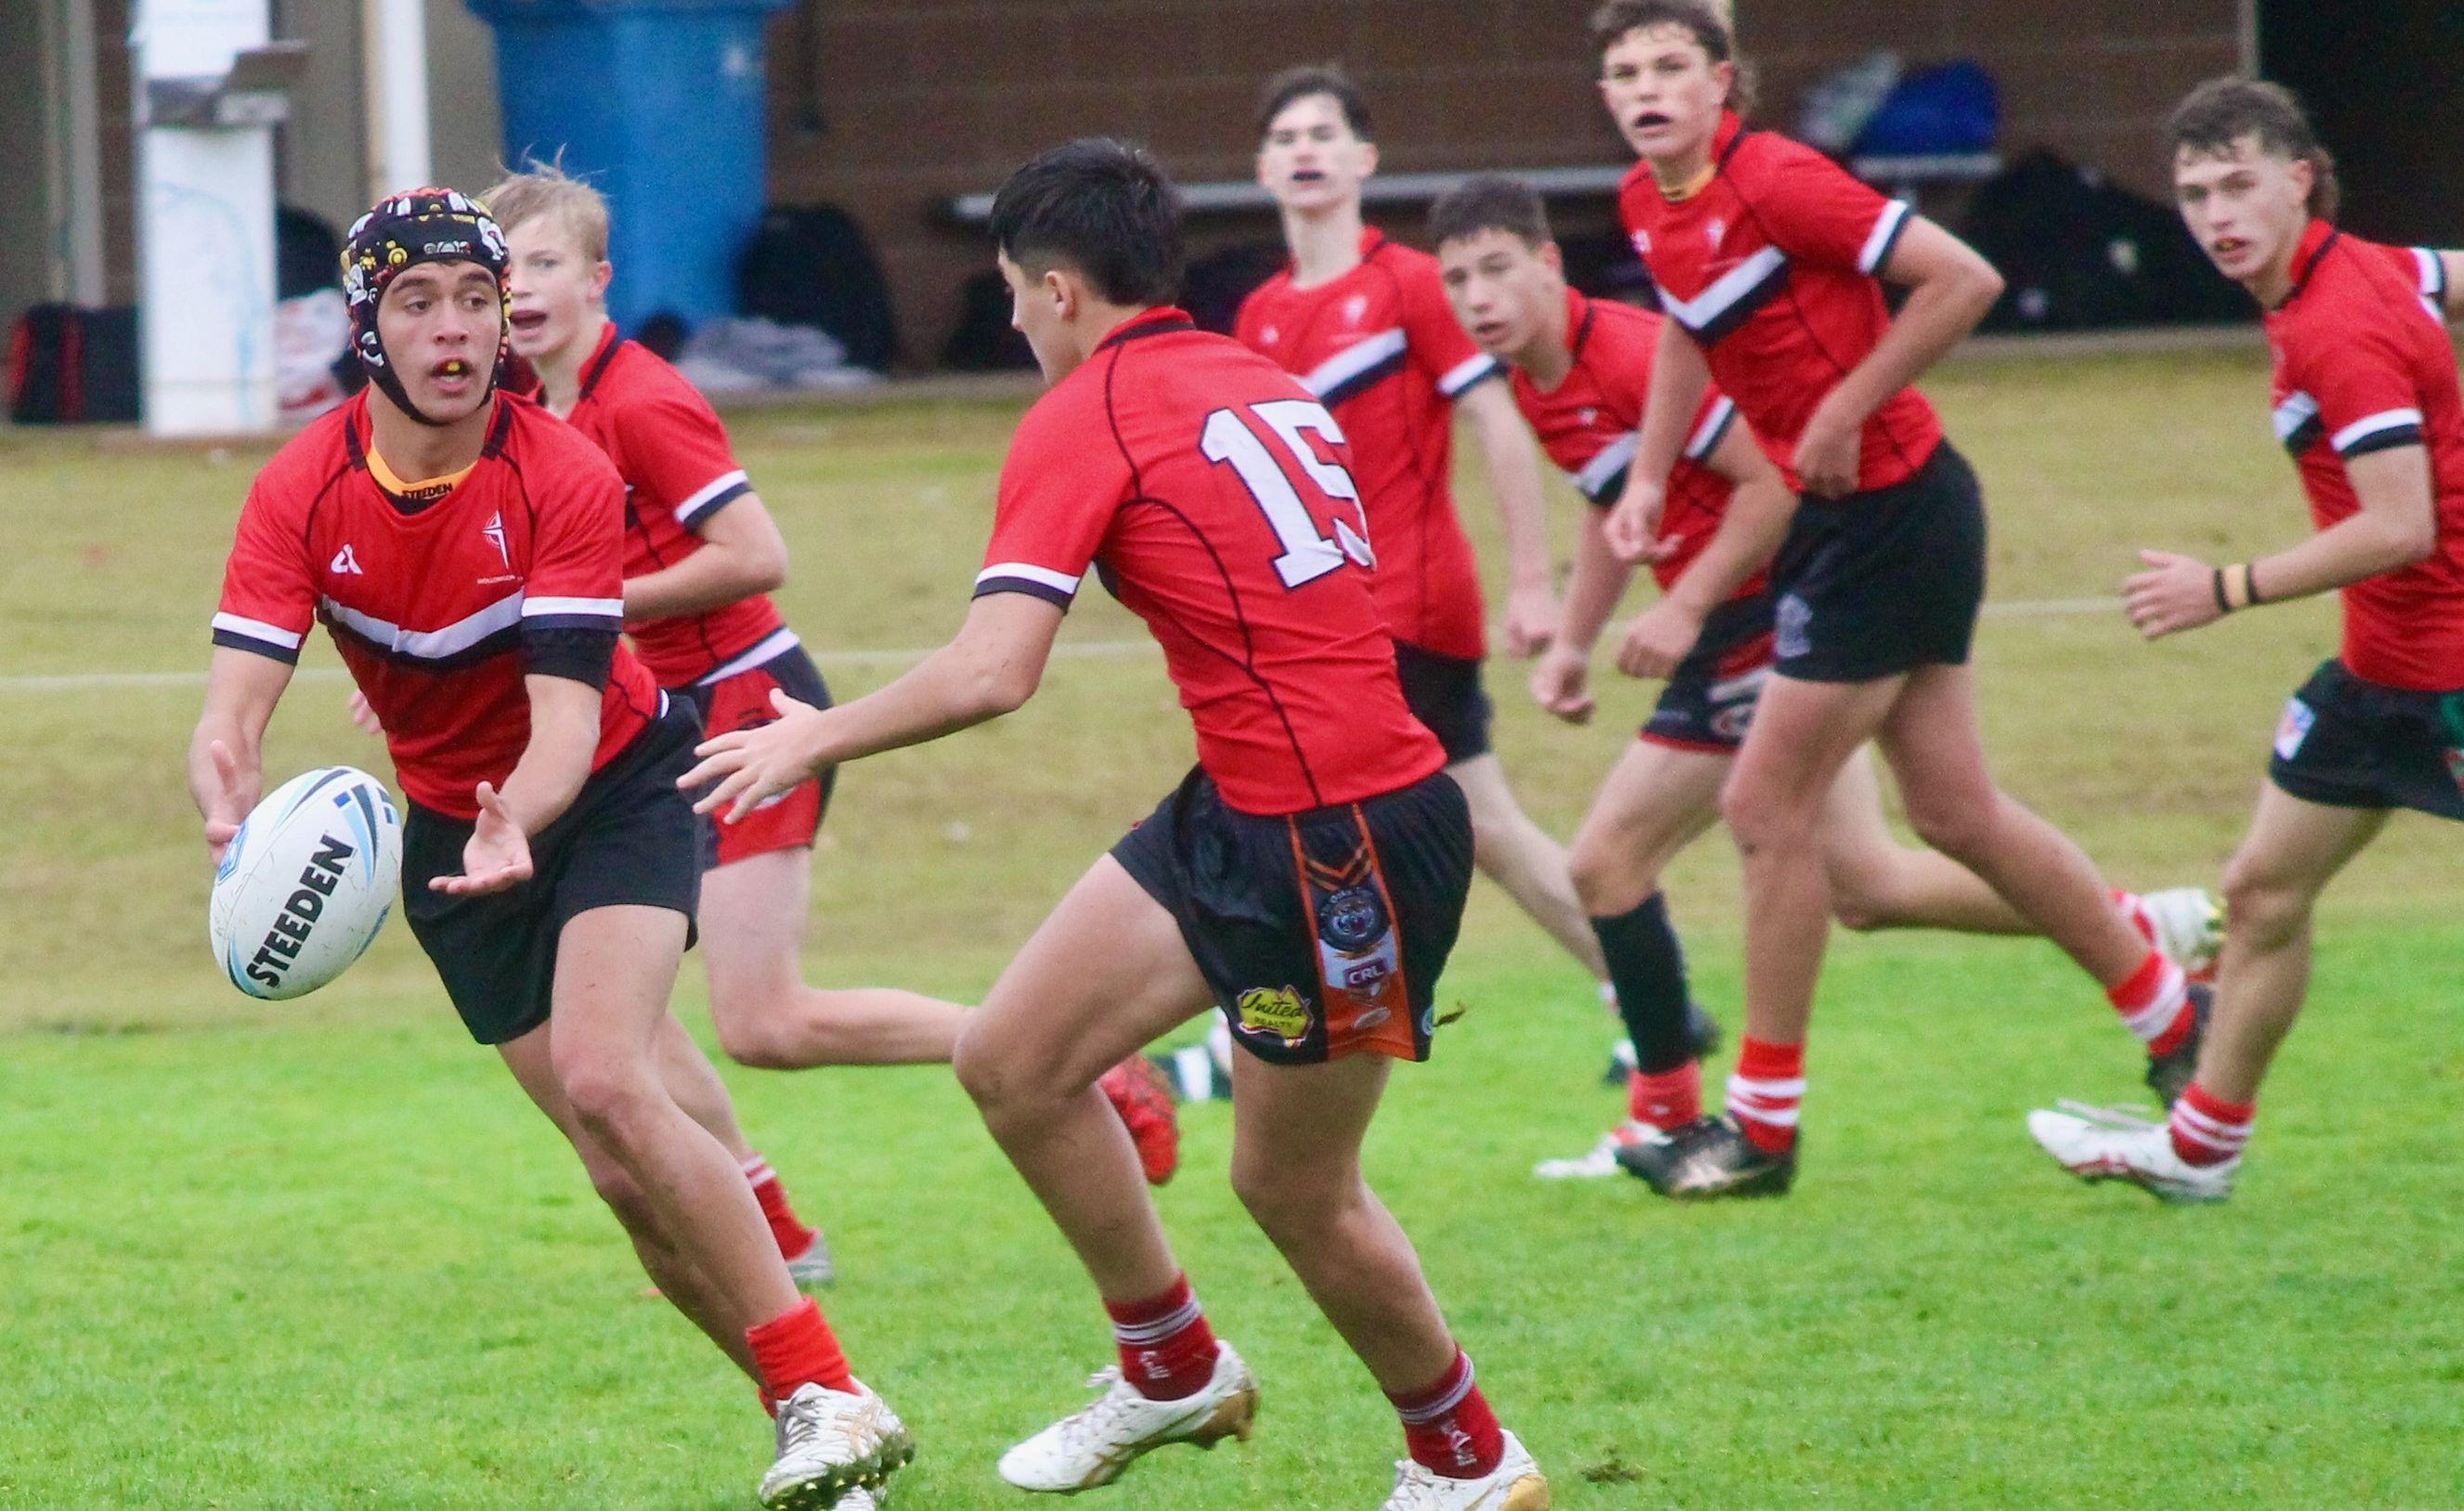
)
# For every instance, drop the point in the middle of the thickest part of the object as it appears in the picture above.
(2263, 910)
(1760, 815)
(611, 1092)
(1958, 825)
(1607, 881)
(1855, 906)
(749, 1032)
(998, 1085)
(1281, 1200)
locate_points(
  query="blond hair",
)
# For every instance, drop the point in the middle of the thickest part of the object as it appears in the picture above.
(545, 189)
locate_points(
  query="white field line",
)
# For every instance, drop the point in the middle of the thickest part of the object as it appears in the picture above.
(94, 681)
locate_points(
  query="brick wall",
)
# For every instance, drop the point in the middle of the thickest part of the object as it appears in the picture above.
(924, 98)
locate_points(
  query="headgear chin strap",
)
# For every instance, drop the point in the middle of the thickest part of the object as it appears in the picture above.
(421, 225)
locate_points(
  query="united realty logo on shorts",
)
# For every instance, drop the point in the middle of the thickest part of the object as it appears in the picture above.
(1277, 1010)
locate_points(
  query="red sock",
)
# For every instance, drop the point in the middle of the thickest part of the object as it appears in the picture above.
(797, 1348)
(1669, 1100)
(2207, 1130)
(1448, 1428)
(2154, 1003)
(1762, 1094)
(792, 1237)
(1167, 1350)
(2132, 908)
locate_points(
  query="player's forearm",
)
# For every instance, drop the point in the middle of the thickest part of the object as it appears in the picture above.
(1679, 378)
(1939, 314)
(711, 578)
(2350, 551)
(556, 762)
(1513, 481)
(241, 691)
(955, 688)
(1598, 583)
(1750, 534)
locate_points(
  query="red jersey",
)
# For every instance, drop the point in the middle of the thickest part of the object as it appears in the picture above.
(1381, 348)
(1589, 422)
(1769, 267)
(678, 473)
(432, 610)
(1210, 493)
(2362, 364)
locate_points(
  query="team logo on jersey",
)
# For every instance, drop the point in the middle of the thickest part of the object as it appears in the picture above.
(1277, 1010)
(1270, 336)
(495, 531)
(1586, 417)
(345, 564)
(2294, 728)
(1642, 243)
(1715, 230)
(1354, 308)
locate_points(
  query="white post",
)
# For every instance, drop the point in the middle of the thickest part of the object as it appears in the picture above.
(205, 231)
(394, 33)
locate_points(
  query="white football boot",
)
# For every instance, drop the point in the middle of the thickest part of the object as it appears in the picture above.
(1091, 1447)
(2105, 1144)
(1514, 1486)
(813, 1267)
(863, 1498)
(831, 1443)
(2188, 925)
(1600, 1160)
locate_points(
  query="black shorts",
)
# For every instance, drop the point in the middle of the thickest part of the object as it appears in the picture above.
(2352, 744)
(741, 701)
(1883, 582)
(1443, 692)
(629, 839)
(1321, 932)
(1709, 699)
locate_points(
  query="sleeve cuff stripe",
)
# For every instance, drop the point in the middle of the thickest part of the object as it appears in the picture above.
(1885, 235)
(232, 640)
(1007, 572)
(1468, 372)
(2370, 433)
(258, 629)
(1714, 425)
(2433, 274)
(717, 492)
(2382, 441)
(534, 624)
(588, 608)
(985, 587)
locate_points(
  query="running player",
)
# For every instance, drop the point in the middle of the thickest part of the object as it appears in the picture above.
(1770, 260)
(465, 551)
(2366, 401)
(1308, 877)
(1581, 375)
(1363, 324)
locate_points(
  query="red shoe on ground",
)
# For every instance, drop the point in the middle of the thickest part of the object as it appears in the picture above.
(1143, 1097)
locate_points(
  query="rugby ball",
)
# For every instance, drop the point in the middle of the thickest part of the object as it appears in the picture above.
(306, 882)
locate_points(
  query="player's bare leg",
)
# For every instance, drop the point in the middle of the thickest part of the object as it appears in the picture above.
(2292, 850)
(1518, 855)
(752, 921)
(678, 1280)
(1878, 883)
(1296, 1167)
(693, 1082)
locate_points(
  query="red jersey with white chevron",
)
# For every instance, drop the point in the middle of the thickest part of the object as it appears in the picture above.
(2362, 364)
(672, 454)
(1380, 347)
(432, 608)
(1769, 267)
(1209, 493)
(1589, 426)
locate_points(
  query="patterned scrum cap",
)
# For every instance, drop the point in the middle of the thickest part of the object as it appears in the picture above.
(421, 225)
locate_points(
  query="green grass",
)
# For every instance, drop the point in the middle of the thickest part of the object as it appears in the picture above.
(320, 1254)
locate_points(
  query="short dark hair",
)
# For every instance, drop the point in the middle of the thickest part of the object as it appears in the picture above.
(1315, 78)
(2222, 111)
(1700, 18)
(1489, 202)
(1102, 207)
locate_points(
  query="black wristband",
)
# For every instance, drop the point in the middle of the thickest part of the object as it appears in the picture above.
(2223, 605)
(2250, 578)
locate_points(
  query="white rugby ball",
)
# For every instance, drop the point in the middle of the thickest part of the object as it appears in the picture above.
(306, 882)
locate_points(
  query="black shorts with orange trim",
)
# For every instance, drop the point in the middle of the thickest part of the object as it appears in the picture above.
(627, 840)
(1710, 700)
(1321, 932)
(1881, 582)
(741, 701)
(1443, 692)
(2346, 743)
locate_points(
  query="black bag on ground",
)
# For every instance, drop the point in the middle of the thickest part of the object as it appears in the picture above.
(2079, 254)
(811, 264)
(1216, 284)
(69, 365)
(984, 342)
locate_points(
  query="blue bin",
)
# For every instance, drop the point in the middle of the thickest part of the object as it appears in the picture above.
(659, 103)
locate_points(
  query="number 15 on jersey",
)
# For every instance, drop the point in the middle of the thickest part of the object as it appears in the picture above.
(1308, 555)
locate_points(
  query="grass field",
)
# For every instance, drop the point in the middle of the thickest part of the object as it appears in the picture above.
(320, 1254)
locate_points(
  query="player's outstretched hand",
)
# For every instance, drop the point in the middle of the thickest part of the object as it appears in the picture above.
(497, 856)
(226, 804)
(1660, 637)
(2174, 594)
(1532, 617)
(753, 766)
(1631, 527)
(362, 716)
(1559, 683)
